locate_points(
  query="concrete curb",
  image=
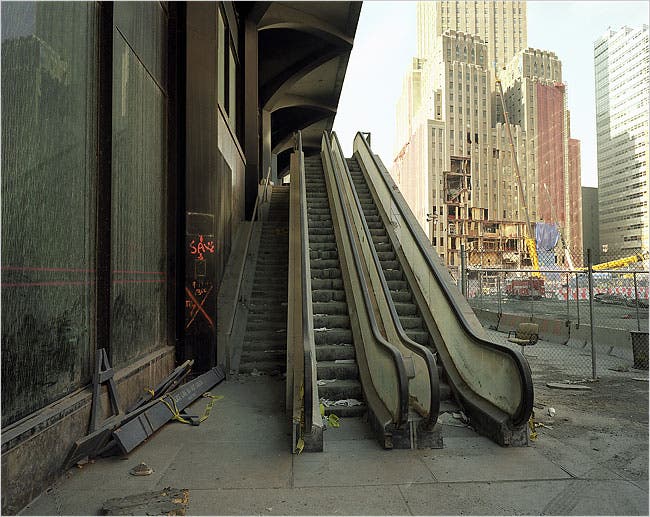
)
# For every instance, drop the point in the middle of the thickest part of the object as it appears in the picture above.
(610, 341)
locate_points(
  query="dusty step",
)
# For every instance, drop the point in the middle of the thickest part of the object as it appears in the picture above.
(419, 336)
(322, 246)
(393, 274)
(401, 296)
(341, 369)
(328, 295)
(324, 264)
(322, 238)
(410, 322)
(341, 389)
(347, 411)
(405, 309)
(330, 307)
(334, 352)
(331, 321)
(332, 336)
(318, 273)
(267, 367)
(326, 283)
(324, 255)
(270, 355)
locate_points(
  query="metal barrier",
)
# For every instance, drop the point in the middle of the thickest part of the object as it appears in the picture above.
(591, 315)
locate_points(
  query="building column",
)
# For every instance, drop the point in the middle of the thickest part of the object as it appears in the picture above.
(267, 156)
(251, 116)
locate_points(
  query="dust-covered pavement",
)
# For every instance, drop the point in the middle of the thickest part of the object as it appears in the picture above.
(600, 433)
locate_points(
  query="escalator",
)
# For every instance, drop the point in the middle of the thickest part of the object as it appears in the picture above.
(339, 388)
(400, 290)
(490, 382)
(375, 318)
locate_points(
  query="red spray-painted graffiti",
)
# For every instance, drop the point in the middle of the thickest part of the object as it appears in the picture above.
(198, 249)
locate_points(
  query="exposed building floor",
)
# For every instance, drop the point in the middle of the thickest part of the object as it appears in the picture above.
(594, 460)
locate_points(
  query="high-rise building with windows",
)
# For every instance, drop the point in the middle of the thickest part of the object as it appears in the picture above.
(456, 167)
(622, 92)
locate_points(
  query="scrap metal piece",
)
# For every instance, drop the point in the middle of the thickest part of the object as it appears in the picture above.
(103, 374)
(135, 431)
(167, 384)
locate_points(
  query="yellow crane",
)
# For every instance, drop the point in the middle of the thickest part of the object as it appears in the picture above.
(530, 238)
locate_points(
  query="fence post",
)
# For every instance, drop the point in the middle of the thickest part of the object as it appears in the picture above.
(480, 287)
(530, 291)
(463, 270)
(577, 301)
(568, 306)
(591, 313)
(499, 293)
(636, 303)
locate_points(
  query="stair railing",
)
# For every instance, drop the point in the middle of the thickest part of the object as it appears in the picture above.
(230, 320)
(424, 388)
(479, 370)
(301, 351)
(391, 390)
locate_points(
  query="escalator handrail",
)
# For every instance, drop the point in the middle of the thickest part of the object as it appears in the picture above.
(425, 353)
(524, 410)
(396, 355)
(305, 268)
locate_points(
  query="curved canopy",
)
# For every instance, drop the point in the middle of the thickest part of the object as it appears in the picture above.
(304, 49)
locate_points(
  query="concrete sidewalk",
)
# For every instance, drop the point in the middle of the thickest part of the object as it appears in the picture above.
(238, 462)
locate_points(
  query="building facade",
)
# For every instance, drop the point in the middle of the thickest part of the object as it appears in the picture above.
(133, 132)
(590, 223)
(622, 93)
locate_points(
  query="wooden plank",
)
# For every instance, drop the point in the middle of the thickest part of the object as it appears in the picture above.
(168, 501)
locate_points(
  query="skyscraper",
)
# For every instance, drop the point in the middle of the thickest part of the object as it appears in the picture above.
(453, 160)
(501, 25)
(622, 92)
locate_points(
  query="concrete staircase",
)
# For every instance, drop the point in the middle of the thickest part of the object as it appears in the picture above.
(400, 290)
(335, 356)
(265, 341)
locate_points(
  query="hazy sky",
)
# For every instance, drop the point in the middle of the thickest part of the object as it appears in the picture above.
(385, 42)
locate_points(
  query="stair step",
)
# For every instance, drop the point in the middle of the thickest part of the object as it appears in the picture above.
(411, 322)
(419, 336)
(341, 389)
(324, 255)
(331, 321)
(328, 295)
(330, 307)
(333, 352)
(401, 296)
(337, 370)
(405, 309)
(268, 367)
(324, 264)
(317, 273)
(326, 283)
(332, 336)
(393, 274)
(346, 411)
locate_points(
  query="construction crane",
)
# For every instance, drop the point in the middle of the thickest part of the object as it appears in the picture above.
(567, 255)
(530, 239)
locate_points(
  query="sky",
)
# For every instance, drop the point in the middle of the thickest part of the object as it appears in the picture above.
(385, 43)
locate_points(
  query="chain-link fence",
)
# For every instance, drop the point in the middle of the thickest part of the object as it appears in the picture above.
(589, 317)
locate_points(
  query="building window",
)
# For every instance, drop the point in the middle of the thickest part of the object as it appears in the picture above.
(49, 70)
(139, 173)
